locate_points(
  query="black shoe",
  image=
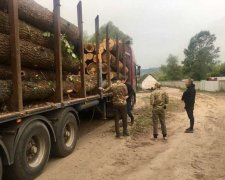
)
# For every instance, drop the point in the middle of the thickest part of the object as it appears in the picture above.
(189, 130)
(126, 134)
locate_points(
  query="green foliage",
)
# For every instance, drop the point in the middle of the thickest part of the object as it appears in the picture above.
(172, 70)
(200, 55)
(113, 31)
(217, 70)
(67, 47)
(47, 34)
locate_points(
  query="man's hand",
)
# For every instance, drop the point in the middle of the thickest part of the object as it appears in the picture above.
(126, 97)
(101, 88)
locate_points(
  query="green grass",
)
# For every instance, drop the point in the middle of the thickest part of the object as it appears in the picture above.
(142, 121)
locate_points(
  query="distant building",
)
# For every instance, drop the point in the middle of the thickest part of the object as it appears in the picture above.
(216, 78)
(147, 81)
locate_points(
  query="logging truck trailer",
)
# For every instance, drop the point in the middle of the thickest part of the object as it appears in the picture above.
(29, 134)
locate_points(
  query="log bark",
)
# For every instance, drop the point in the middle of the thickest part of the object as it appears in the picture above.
(113, 63)
(90, 82)
(104, 57)
(29, 74)
(99, 58)
(32, 91)
(127, 49)
(27, 32)
(92, 68)
(34, 56)
(104, 68)
(113, 75)
(111, 44)
(40, 17)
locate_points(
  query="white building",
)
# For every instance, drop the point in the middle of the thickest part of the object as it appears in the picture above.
(147, 82)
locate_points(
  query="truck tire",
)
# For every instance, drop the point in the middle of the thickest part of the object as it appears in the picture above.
(1, 168)
(66, 130)
(32, 152)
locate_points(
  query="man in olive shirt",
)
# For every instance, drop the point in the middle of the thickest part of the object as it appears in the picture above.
(119, 91)
(159, 100)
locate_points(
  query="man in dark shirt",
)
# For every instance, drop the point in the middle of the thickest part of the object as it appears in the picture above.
(131, 94)
(189, 101)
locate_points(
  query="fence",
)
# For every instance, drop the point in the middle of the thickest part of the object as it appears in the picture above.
(212, 86)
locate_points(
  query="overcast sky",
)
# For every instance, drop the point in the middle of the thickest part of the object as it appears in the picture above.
(158, 27)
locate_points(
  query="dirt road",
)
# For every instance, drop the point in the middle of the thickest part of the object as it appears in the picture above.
(201, 155)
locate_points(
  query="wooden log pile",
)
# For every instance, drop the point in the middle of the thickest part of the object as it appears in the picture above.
(37, 54)
(91, 61)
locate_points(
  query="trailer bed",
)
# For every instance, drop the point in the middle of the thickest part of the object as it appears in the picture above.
(50, 106)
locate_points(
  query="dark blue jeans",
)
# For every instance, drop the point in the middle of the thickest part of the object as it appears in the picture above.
(190, 113)
(129, 110)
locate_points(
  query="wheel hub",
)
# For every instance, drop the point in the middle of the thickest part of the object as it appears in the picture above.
(35, 151)
(69, 133)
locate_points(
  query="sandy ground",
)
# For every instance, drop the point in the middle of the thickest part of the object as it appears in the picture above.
(201, 155)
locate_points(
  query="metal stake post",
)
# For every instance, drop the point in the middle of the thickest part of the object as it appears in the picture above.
(81, 49)
(117, 56)
(16, 99)
(57, 52)
(99, 63)
(107, 56)
(124, 61)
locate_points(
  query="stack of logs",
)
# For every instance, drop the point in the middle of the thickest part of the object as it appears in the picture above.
(37, 54)
(91, 60)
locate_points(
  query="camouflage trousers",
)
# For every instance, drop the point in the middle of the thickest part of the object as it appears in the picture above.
(158, 115)
(120, 113)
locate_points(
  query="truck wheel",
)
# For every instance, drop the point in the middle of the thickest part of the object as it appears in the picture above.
(66, 135)
(32, 152)
(1, 168)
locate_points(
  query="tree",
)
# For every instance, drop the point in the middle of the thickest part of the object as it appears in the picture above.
(222, 69)
(171, 71)
(113, 31)
(218, 70)
(200, 55)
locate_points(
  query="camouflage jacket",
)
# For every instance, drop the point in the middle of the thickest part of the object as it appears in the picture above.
(119, 91)
(159, 99)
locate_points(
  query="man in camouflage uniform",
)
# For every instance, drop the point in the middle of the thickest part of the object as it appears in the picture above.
(120, 93)
(159, 101)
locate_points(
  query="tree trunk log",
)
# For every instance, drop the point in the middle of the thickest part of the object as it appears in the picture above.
(34, 56)
(40, 17)
(113, 63)
(92, 69)
(32, 91)
(29, 74)
(89, 48)
(27, 32)
(99, 58)
(111, 44)
(90, 82)
(104, 68)
(113, 75)
(88, 56)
